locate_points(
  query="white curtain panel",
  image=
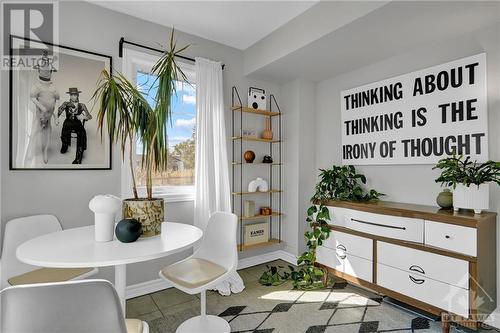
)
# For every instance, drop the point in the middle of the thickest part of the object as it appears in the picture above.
(213, 191)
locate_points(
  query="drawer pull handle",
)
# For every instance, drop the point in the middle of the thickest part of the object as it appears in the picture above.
(416, 281)
(342, 248)
(417, 269)
(447, 237)
(378, 224)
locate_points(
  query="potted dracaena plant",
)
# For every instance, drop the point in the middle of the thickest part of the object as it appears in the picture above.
(469, 180)
(126, 114)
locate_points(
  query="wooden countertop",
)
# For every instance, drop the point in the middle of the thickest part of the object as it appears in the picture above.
(462, 217)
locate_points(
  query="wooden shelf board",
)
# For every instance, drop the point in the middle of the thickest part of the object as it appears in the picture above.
(257, 163)
(249, 138)
(258, 192)
(256, 111)
(259, 217)
(271, 242)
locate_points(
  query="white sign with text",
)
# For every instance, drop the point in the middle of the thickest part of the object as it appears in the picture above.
(419, 117)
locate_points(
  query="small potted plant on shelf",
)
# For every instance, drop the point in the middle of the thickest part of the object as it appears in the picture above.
(336, 183)
(127, 116)
(469, 180)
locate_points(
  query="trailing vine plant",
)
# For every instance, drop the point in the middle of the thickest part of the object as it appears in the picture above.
(336, 183)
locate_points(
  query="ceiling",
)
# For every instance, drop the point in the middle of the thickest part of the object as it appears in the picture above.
(239, 24)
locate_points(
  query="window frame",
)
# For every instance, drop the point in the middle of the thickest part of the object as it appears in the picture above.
(134, 61)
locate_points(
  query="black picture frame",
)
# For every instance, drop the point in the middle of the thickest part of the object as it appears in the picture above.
(105, 139)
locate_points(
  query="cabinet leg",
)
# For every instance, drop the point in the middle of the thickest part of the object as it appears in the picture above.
(445, 323)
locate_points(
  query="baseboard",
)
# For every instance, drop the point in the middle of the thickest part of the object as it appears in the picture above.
(152, 286)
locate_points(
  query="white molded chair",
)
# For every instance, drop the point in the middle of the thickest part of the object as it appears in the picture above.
(85, 306)
(211, 263)
(15, 272)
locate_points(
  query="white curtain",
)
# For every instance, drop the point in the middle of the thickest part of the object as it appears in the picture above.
(213, 191)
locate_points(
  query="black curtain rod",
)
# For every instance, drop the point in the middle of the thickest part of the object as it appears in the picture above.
(123, 41)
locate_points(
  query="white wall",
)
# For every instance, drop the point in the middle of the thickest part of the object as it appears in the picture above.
(299, 160)
(410, 183)
(67, 193)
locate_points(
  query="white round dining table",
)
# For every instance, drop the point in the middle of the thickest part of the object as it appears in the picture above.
(76, 248)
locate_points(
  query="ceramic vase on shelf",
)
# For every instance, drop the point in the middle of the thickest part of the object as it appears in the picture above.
(268, 132)
(445, 199)
(471, 197)
(249, 156)
(105, 208)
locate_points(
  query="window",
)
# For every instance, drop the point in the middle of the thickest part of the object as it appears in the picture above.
(177, 183)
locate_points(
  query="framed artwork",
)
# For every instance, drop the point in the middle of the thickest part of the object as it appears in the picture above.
(53, 118)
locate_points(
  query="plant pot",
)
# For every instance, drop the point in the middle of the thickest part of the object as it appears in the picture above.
(471, 197)
(149, 212)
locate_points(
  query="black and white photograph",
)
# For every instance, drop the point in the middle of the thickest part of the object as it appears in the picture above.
(52, 115)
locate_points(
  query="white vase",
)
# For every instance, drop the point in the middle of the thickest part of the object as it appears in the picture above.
(105, 208)
(471, 197)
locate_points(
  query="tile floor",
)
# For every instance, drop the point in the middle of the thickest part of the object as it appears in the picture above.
(260, 309)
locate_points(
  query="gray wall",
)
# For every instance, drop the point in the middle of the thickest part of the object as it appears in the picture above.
(66, 193)
(410, 183)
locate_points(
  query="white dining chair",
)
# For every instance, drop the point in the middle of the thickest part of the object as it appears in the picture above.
(211, 263)
(15, 272)
(85, 306)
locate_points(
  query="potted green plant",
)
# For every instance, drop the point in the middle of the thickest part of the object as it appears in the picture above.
(336, 183)
(126, 114)
(469, 180)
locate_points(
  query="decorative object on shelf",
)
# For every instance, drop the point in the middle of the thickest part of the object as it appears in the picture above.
(52, 124)
(267, 159)
(118, 98)
(128, 230)
(249, 156)
(257, 98)
(268, 132)
(342, 183)
(469, 181)
(258, 184)
(105, 208)
(249, 208)
(445, 199)
(249, 133)
(256, 233)
(149, 212)
(266, 211)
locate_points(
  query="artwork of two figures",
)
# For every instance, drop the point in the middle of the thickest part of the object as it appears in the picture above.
(52, 121)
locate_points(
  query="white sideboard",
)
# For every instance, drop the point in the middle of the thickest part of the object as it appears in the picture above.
(440, 261)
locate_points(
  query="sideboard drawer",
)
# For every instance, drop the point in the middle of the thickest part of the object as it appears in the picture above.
(345, 263)
(426, 264)
(439, 294)
(397, 227)
(352, 244)
(451, 237)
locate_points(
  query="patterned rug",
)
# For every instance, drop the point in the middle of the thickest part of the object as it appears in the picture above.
(259, 309)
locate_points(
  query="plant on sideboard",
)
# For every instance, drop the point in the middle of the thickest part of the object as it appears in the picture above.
(469, 180)
(336, 183)
(127, 115)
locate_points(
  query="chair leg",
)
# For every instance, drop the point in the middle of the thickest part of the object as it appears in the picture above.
(203, 297)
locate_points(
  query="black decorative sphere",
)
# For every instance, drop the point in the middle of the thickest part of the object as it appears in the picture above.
(128, 230)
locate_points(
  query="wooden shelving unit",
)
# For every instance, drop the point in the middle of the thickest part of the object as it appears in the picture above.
(256, 111)
(259, 217)
(274, 170)
(271, 242)
(250, 138)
